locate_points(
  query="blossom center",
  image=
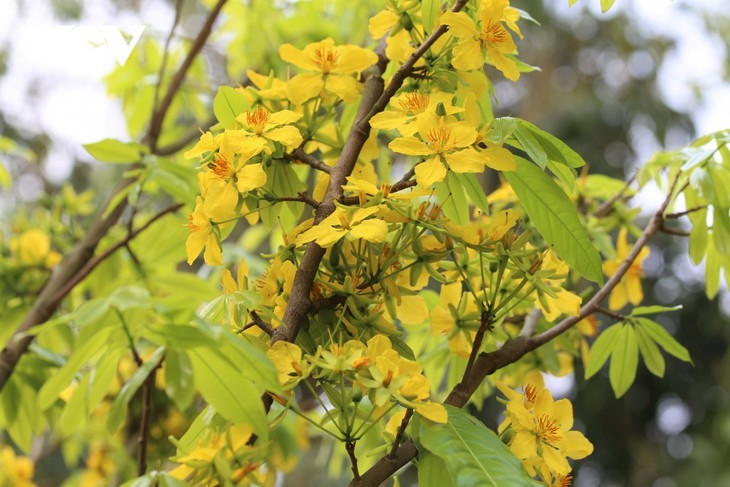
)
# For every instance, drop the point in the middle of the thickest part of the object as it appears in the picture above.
(439, 139)
(221, 167)
(493, 34)
(326, 58)
(548, 430)
(414, 103)
(257, 119)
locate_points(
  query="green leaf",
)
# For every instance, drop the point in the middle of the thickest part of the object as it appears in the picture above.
(94, 345)
(452, 199)
(624, 360)
(230, 392)
(227, 105)
(651, 354)
(601, 350)
(501, 129)
(474, 190)
(606, 4)
(472, 453)
(650, 310)
(429, 13)
(433, 471)
(118, 409)
(179, 379)
(531, 145)
(664, 339)
(554, 148)
(554, 215)
(112, 150)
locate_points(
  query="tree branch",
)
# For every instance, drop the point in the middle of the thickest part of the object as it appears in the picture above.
(48, 300)
(159, 115)
(300, 156)
(607, 206)
(514, 349)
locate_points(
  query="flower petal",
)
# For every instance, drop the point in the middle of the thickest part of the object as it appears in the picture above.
(430, 172)
(410, 146)
(344, 86)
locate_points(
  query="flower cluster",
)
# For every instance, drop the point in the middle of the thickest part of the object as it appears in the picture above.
(540, 430)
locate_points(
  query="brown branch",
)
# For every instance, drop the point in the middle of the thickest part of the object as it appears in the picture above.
(680, 214)
(301, 198)
(607, 206)
(350, 447)
(484, 326)
(94, 262)
(400, 433)
(48, 299)
(165, 54)
(144, 430)
(673, 231)
(530, 323)
(514, 349)
(159, 115)
(610, 314)
(300, 156)
(257, 321)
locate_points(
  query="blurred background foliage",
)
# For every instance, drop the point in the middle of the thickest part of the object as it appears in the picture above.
(615, 87)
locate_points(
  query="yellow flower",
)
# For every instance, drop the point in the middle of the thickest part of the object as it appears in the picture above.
(629, 289)
(269, 87)
(341, 224)
(490, 36)
(266, 127)
(333, 69)
(287, 358)
(564, 301)
(447, 143)
(543, 439)
(15, 471)
(33, 247)
(202, 234)
(411, 107)
(446, 319)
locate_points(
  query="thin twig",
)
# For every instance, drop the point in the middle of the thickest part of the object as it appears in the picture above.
(400, 433)
(680, 214)
(159, 116)
(484, 326)
(673, 231)
(301, 198)
(350, 447)
(308, 159)
(144, 429)
(610, 314)
(165, 54)
(257, 321)
(94, 262)
(605, 208)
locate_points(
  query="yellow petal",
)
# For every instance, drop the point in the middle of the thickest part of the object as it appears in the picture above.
(371, 230)
(205, 144)
(297, 57)
(500, 159)
(229, 284)
(388, 120)
(381, 23)
(288, 135)
(353, 59)
(506, 65)
(213, 253)
(434, 412)
(194, 245)
(344, 86)
(410, 146)
(460, 24)
(412, 310)
(467, 160)
(430, 172)
(304, 86)
(283, 117)
(467, 55)
(250, 177)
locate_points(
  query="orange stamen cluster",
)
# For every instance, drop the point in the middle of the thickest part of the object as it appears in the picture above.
(548, 430)
(439, 139)
(415, 102)
(221, 167)
(257, 119)
(493, 34)
(326, 58)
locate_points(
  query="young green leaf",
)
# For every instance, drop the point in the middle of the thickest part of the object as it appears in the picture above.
(664, 339)
(654, 309)
(606, 4)
(111, 150)
(651, 354)
(601, 350)
(624, 360)
(555, 216)
(228, 104)
(452, 198)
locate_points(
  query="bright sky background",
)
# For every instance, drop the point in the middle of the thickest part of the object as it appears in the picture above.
(68, 100)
